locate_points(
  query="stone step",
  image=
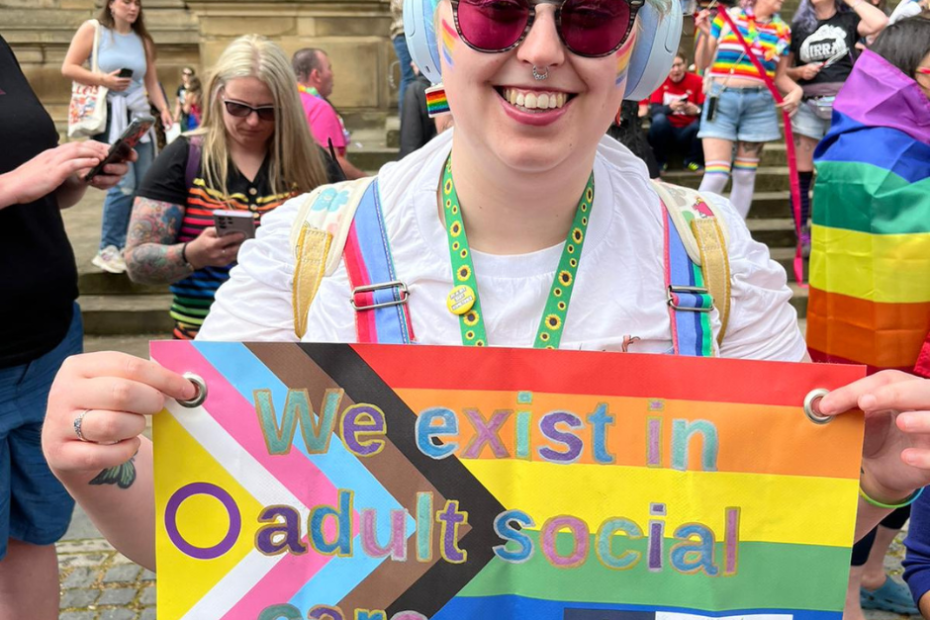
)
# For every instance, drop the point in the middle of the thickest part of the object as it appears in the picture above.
(133, 344)
(773, 232)
(785, 258)
(768, 178)
(114, 315)
(102, 283)
(799, 299)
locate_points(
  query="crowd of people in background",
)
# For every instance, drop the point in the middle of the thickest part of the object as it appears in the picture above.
(262, 130)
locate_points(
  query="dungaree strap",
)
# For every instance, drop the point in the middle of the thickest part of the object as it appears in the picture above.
(379, 298)
(689, 302)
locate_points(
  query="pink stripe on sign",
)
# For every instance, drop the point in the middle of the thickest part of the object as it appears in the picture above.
(293, 470)
(279, 585)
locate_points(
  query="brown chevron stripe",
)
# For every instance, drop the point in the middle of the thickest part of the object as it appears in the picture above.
(382, 587)
(443, 580)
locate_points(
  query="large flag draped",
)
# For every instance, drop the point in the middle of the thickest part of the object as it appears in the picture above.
(870, 258)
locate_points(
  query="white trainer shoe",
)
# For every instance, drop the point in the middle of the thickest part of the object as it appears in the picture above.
(110, 259)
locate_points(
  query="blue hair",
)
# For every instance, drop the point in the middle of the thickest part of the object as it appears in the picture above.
(806, 18)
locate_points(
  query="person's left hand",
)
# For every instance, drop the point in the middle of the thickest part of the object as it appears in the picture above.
(791, 101)
(896, 452)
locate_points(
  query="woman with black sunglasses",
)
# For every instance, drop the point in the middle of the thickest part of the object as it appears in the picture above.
(522, 227)
(252, 152)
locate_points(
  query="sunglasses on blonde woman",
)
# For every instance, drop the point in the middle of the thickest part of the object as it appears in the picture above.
(242, 110)
(590, 28)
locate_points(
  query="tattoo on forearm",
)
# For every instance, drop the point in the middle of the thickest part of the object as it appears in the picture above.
(122, 475)
(153, 254)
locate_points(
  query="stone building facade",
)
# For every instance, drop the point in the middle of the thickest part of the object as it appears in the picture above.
(353, 32)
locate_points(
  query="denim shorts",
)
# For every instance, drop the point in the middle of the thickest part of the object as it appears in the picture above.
(745, 115)
(34, 506)
(806, 123)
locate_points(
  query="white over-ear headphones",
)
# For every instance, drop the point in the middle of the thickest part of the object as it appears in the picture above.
(657, 42)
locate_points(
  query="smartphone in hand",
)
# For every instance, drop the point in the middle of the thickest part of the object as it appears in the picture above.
(125, 73)
(229, 221)
(120, 149)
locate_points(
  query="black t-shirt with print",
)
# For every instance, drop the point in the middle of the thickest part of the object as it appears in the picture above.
(832, 41)
(38, 276)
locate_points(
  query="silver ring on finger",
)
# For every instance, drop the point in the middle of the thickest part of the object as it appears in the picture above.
(78, 422)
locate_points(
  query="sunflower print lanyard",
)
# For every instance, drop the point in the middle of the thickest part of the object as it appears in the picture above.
(463, 298)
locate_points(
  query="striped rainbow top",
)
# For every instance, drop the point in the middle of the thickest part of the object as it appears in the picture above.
(194, 295)
(769, 41)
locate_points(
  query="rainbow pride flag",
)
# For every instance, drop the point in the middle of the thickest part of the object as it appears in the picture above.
(870, 257)
(367, 482)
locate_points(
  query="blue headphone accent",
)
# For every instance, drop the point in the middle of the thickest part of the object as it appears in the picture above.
(649, 65)
(421, 38)
(653, 56)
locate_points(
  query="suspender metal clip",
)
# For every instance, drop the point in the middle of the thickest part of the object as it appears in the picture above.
(400, 296)
(692, 292)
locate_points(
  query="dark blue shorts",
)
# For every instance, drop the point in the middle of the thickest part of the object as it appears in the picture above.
(34, 507)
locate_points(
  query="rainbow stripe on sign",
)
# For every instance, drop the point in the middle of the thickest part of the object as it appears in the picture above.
(374, 481)
(870, 264)
(436, 101)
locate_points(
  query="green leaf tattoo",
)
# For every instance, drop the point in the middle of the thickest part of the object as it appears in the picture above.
(122, 475)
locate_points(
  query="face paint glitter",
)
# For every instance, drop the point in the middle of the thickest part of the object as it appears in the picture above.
(623, 59)
(448, 41)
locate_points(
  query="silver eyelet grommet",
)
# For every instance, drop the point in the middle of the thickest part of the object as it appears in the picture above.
(812, 397)
(201, 394)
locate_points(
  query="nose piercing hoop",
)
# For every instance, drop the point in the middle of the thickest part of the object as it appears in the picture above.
(540, 76)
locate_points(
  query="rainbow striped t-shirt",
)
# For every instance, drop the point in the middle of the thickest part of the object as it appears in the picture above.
(769, 41)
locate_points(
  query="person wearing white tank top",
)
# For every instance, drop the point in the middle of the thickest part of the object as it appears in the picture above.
(124, 44)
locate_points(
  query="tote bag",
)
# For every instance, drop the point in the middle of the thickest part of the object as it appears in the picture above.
(87, 113)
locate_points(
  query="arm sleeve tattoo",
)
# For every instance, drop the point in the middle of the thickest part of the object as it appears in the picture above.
(153, 254)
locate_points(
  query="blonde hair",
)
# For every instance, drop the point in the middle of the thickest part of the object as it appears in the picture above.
(294, 158)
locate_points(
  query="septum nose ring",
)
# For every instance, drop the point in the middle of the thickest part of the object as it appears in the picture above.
(540, 76)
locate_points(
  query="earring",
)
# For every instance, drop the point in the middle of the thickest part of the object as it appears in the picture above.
(436, 102)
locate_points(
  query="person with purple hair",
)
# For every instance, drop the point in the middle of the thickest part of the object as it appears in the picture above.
(824, 35)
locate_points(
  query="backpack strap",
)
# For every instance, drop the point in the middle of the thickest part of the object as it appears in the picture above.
(345, 220)
(703, 236)
(194, 156)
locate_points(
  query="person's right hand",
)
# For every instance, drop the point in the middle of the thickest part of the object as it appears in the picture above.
(114, 82)
(45, 172)
(116, 391)
(212, 250)
(809, 71)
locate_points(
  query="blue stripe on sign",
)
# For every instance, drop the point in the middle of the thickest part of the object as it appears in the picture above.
(247, 373)
(512, 606)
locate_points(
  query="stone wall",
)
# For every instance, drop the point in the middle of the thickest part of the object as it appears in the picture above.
(354, 32)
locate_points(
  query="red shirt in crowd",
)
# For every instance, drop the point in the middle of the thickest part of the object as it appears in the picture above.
(690, 88)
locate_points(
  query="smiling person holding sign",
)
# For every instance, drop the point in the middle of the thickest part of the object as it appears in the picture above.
(486, 236)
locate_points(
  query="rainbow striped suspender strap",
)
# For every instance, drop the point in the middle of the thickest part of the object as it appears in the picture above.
(379, 298)
(697, 273)
(344, 220)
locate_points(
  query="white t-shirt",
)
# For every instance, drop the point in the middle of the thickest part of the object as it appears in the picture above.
(619, 294)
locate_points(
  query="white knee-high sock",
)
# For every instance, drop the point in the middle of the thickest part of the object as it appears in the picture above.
(716, 175)
(744, 183)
